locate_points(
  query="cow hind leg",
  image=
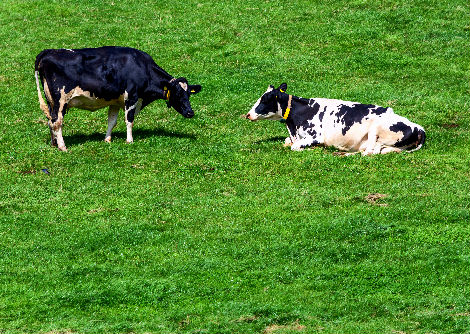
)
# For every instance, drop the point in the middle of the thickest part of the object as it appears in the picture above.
(112, 120)
(389, 149)
(56, 124)
(371, 144)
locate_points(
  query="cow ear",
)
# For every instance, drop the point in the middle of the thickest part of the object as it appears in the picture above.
(194, 89)
(283, 87)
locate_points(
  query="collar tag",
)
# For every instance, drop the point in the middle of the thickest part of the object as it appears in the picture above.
(289, 103)
(166, 93)
(286, 114)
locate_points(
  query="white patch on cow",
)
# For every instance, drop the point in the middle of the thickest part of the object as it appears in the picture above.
(79, 98)
(48, 94)
(184, 85)
(137, 106)
(278, 113)
(42, 103)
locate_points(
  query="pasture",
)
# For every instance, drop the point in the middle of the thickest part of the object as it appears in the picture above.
(209, 224)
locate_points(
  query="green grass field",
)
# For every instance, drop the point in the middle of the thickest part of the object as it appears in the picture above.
(210, 225)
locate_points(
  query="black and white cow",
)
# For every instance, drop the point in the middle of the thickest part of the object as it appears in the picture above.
(348, 126)
(114, 77)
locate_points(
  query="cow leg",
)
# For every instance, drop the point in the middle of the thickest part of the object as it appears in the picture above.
(299, 145)
(389, 149)
(292, 133)
(132, 108)
(112, 120)
(288, 142)
(56, 124)
(371, 143)
(53, 137)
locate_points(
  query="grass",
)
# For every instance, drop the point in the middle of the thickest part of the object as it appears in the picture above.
(209, 225)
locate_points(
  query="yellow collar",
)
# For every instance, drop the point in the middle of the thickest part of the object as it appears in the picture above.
(167, 94)
(286, 114)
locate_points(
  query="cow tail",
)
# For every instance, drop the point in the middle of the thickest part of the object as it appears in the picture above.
(420, 141)
(42, 103)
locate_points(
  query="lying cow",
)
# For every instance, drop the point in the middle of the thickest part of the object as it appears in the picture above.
(348, 126)
(114, 77)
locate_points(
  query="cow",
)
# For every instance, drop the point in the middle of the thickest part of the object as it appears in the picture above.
(348, 126)
(109, 76)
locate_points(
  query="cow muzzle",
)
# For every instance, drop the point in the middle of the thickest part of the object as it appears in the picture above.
(251, 117)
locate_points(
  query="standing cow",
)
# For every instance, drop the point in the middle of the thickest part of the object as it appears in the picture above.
(110, 76)
(348, 126)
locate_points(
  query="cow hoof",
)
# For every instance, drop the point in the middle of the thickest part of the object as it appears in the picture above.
(296, 148)
(63, 148)
(107, 139)
(129, 142)
(344, 154)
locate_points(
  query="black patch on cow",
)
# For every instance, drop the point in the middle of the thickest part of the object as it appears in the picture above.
(301, 111)
(311, 132)
(268, 103)
(349, 115)
(378, 110)
(320, 116)
(291, 127)
(304, 111)
(411, 136)
(315, 108)
(313, 143)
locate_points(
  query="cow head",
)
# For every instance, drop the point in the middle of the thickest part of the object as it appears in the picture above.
(177, 95)
(267, 106)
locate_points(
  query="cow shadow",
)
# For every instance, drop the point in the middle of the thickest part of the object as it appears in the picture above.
(269, 140)
(78, 138)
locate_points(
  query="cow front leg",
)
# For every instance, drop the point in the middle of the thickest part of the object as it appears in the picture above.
(53, 137)
(292, 133)
(112, 120)
(300, 144)
(131, 110)
(288, 142)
